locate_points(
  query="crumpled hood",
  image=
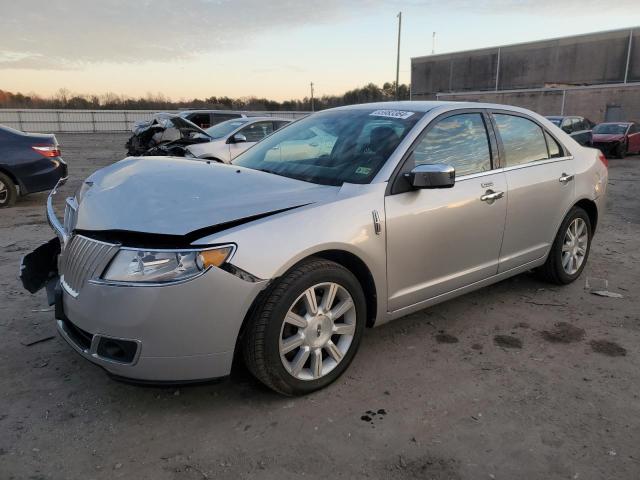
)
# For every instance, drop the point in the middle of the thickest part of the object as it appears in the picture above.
(175, 196)
(607, 137)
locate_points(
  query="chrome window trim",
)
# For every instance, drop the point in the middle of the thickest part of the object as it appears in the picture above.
(537, 162)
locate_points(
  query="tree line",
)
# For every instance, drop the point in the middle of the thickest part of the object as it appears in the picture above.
(64, 99)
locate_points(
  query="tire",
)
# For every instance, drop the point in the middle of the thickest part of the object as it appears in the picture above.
(8, 191)
(621, 150)
(263, 345)
(554, 270)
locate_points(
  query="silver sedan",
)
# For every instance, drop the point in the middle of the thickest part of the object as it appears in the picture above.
(285, 256)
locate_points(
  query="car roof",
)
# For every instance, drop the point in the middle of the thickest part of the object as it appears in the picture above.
(236, 112)
(424, 106)
(616, 123)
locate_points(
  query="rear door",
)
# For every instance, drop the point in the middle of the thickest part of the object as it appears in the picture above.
(443, 239)
(540, 178)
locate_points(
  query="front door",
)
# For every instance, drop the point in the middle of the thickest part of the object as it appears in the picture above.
(443, 239)
(254, 133)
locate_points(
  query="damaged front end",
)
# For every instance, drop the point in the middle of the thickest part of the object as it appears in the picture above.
(165, 135)
(39, 269)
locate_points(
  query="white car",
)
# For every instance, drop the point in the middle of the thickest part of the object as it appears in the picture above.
(231, 138)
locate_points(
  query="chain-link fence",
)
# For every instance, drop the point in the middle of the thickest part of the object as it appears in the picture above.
(89, 121)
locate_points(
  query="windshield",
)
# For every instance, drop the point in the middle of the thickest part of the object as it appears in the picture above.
(332, 147)
(224, 128)
(611, 128)
(555, 121)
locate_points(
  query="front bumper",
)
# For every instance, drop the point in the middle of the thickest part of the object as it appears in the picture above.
(46, 174)
(183, 332)
(176, 332)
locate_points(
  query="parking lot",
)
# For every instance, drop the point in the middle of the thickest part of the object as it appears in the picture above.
(517, 380)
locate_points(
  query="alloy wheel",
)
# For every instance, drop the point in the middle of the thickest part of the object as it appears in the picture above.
(4, 192)
(574, 246)
(317, 331)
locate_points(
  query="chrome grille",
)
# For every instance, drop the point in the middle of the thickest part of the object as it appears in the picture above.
(82, 259)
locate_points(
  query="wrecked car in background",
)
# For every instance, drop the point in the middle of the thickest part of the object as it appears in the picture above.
(165, 134)
(617, 138)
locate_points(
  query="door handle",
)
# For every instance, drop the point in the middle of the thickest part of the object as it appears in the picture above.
(564, 178)
(490, 196)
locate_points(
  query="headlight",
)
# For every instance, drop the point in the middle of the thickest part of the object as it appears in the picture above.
(163, 266)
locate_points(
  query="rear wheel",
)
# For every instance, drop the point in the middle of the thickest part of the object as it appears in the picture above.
(307, 329)
(570, 249)
(8, 191)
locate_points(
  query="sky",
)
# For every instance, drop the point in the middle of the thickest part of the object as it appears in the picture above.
(264, 48)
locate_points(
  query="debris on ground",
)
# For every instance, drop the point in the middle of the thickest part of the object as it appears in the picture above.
(606, 293)
(600, 287)
(563, 333)
(29, 343)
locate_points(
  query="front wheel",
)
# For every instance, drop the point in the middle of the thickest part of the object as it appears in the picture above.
(570, 249)
(621, 150)
(8, 191)
(307, 328)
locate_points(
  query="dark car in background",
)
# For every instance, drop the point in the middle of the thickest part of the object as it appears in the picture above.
(29, 163)
(578, 127)
(209, 118)
(617, 138)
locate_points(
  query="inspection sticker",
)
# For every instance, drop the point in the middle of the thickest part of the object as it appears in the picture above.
(363, 171)
(391, 114)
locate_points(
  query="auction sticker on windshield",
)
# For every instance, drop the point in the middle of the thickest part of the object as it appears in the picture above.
(392, 114)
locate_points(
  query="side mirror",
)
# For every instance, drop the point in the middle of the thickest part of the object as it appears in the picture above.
(566, 129)
(238, 138)
(435, 175)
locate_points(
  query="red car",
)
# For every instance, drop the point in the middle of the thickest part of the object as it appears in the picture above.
(617, 138)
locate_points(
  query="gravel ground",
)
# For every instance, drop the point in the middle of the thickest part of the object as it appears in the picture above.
(518, 380)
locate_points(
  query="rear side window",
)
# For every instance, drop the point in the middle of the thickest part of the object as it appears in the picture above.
(523, 140)
(459, 141)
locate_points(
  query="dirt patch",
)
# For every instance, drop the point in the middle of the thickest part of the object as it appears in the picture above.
(563, 333)
(611, 349)
(507, 341)
(446, 338)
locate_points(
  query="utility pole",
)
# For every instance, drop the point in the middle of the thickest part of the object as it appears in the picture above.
(433, 43)
(398, 58)
(312, 104)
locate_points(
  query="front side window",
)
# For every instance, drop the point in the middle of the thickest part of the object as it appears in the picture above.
(257, 131)
(460, 141)
(332, 147)
(523, 140)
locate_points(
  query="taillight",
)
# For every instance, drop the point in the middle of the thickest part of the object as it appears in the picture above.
(48, 151)
(603, 159)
